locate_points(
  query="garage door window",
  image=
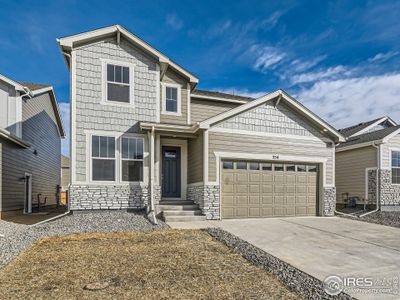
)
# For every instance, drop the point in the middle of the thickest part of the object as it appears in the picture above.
(278, 167)
(301, 168)
(290, 168)
(312, 168)
(254, 166)
(240, 165)
(227, 165)
(267, 167)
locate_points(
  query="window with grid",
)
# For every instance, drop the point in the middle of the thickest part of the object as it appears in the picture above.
(103, 158)
(132, 159)
(396, 167)
(171, 99)
(118, 83)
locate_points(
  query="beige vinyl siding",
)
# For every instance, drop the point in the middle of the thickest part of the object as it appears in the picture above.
(205, 109)
(195, 159)
(1, 175)
(350, 171)
(174, 78)
(241, 143)
(39, 128)
(393, 143)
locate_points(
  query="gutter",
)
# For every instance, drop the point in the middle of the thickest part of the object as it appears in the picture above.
(378, 157)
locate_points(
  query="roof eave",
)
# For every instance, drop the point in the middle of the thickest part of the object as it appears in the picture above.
(11, 137)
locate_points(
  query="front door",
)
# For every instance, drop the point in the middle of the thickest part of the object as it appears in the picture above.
(171, 172)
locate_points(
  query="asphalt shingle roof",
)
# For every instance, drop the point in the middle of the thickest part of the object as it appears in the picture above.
(348, 131)
(33, 86)
(221, 95)
(369, 136)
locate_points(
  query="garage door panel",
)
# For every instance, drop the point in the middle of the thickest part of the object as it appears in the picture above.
(254, 212)
(275, 190)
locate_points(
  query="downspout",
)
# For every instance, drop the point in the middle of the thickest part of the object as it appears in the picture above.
(378, 157)
(152, 212)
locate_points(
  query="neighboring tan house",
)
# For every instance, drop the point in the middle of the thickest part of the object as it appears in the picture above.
(30, 145)
(143, 136)
(370, 146)
(65, 173)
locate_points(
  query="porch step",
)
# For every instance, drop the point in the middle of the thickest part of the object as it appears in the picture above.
(176, 202)
(172, 213)
(184, 218)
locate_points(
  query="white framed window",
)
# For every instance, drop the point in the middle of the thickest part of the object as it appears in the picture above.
(132, 156)
(171, 99)
(118, 81)
(103, 164)
(395, 167)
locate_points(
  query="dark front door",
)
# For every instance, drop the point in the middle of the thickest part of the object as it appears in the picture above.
(171, 172)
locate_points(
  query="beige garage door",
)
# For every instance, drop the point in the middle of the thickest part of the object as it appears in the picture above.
(263, 189)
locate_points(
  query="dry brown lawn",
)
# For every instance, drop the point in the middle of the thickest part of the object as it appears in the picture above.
(169, 264)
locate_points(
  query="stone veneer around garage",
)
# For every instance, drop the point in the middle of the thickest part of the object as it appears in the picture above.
(389, 193)
(86, 197)
(329, 201)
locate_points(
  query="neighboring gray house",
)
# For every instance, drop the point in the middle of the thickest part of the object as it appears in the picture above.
(30, 145)
(371, 147)
(142, 136)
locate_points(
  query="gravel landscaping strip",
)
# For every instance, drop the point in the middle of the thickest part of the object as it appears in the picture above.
(14, 238)
(302, 283)
(388, 218)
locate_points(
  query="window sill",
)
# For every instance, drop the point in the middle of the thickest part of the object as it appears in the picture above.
(114, 103)
(170, 113)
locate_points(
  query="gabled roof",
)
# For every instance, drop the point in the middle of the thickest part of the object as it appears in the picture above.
(69, 42)
(214, 95)
(378, 136)
(279, 95)
(15, 84)
(41, 89)
(364, 126)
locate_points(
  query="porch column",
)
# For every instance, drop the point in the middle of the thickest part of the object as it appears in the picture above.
(151, 179)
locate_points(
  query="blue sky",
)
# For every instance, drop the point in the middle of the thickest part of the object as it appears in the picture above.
(339, 58)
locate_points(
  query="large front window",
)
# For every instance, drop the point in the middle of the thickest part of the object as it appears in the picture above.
(396, 167)
(118, 83)
(132, 159)
(103, 158)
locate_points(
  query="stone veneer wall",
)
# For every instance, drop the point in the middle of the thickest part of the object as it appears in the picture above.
(207, 197)
(371, 186)
(86, 197)
(389, 193)
(329, 201)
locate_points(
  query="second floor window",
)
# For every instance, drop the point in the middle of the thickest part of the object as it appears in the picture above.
(118, 83)
(396, 167)
(171, 99)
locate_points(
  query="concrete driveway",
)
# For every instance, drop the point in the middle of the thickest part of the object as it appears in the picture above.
(324, 246)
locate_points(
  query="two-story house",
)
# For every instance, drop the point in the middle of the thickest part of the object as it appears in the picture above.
(143, 136)
(30, 146)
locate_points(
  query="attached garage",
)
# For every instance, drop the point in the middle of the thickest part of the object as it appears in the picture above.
(252, 189)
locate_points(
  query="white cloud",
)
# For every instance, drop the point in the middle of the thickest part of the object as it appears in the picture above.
(329, 73)
(174, 21)
(345, 102)
(267, 57)
(383, 56)
(65, 115)
(298, 65)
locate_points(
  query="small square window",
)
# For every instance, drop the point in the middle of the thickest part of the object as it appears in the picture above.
(278, 167)
(227, 165)
(240, 165)
(267, 167)
(254, 166)
(290, 168)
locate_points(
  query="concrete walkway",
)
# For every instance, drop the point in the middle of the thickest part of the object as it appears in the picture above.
(323, 246)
